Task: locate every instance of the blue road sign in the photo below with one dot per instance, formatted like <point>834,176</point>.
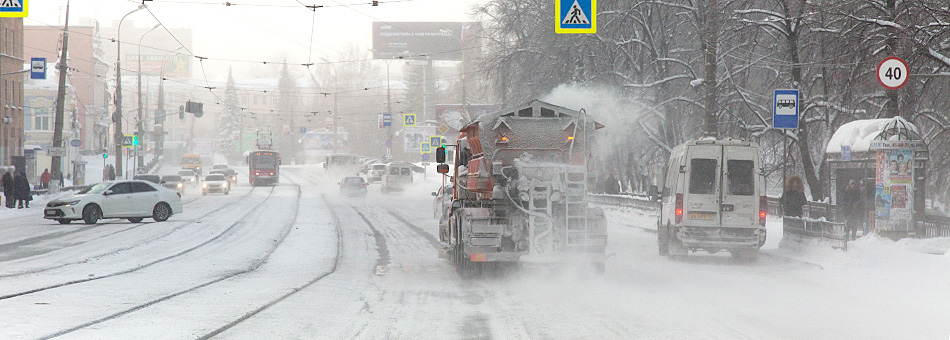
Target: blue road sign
<point>435,141</point>
<point>14,9</point>
<point>37,68</point>
<point>75,143</point>
<point>409,119</point>
<point>785,109</point>
<point>424,148</point>
<point>303,130</point>
<point>389,143</point>
<point>425,157</point>
<point>127,141</point>
<point>575,16</point>
<point>387,120</point>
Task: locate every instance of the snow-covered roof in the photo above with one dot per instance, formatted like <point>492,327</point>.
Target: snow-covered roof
<point>859,134</point>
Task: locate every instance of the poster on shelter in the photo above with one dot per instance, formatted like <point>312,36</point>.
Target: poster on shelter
<point>894,194</point>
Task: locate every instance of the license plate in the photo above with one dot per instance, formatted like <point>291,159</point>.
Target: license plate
<point>50,212</point>
<point>702,215</point>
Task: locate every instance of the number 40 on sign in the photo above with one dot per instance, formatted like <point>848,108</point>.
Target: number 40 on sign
<point>892,73</point>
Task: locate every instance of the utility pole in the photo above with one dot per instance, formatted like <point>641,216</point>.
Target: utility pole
<point>334,116</point>
<point>140,126</point>
<point>56,165</point>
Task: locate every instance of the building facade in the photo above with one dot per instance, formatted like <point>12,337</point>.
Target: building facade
<point>11,91</point>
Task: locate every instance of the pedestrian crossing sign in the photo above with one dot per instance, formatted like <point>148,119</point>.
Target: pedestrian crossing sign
<point>127,141</point>
<point>435,141</point>
<point>14,8</point>
<point>424,148</point>
<point>575,16</point>
<point>409,119</point>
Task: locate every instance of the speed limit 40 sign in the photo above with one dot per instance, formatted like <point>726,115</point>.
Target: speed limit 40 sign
<point>892,73</point>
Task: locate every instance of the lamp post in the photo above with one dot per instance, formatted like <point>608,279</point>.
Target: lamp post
<point>139,127</point>
<point>462,71</point>
<point>118,92</point>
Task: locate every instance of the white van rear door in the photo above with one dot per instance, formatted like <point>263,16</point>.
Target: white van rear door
<point>739,194</point>
<point>702,196</point>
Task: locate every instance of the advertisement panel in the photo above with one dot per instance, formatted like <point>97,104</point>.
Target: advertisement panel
<point>426,40</point>
<point>894,186</point>
<point>174,65</point>
<point>416,136</point>
<point>319,144</point>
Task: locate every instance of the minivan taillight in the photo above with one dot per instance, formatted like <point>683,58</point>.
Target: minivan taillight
<point>679,208</point>
<point>763,209</point>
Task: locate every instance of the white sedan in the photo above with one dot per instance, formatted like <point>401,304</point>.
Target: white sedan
<point>134,200</point>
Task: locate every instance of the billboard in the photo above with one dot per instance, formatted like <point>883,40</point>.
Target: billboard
<point>319,144</point>
<point>416,136</point>
<point>426,40</point>
<point>894,185</point>
<point>175,65</point>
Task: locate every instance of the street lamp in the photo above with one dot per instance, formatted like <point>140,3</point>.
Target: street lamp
<point>140,125</point>
<point>118,92</point>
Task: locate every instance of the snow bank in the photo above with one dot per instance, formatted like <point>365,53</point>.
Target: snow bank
<point>858,134</point>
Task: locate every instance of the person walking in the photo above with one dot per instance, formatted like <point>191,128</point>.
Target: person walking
<point>44,179</point>
<point>21,190</point>
<point>793,199</point>
<point>612,186</point>
<point>8,188</point>
<point>850,202</point>
<point>111,172</point>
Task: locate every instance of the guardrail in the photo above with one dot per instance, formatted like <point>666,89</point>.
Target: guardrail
<point>933,226</point>
<point>825,232</point>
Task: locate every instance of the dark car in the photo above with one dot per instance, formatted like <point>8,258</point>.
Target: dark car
<point>353,186</point>
<point>173,182</point>
<point>151,178</point>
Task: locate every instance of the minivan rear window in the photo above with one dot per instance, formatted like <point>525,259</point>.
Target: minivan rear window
<point>702,176</point>
<point>741,177</point>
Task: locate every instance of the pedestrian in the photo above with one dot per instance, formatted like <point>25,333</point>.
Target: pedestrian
<point>866,203</point>
<point>612,186</point>
<point>21,190</point>
<point>111,172</point>
<point>8,188</point>
<point>850,207</point>
<point>793,199</point>
<point>44,179</point>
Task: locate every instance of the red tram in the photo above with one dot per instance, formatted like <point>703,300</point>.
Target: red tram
<point>263,167</point>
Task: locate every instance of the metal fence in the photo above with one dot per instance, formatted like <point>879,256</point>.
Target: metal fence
<point>821,230</point>
<point>933,226</point>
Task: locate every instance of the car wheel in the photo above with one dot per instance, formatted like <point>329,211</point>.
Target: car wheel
<point>204,192</point>
<point>161,212</point>
<point>135,219</point>
<point>91,214</point>
<point>63,221</point>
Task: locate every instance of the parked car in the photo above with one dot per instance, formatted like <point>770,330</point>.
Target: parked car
<point>353,186</point>
<point>215,183</point>
<point>151,178</point>
<point>188,176</point>
<point>134,200</point>
<point>441,200</point>
<point>173,182</point>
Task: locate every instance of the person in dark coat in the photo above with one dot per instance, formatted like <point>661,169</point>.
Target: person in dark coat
<point>850,204</point>
<point>794,197</point>
<point>21,190</point>
<point>111,172</point>
<point>612,186</point>
<point>8,187</point>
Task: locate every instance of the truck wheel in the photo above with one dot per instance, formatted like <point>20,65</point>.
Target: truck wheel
<point>663,240</point>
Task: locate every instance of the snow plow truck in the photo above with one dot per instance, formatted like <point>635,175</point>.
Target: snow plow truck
<point>520,193</point>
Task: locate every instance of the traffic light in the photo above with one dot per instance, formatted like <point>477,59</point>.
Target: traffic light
<point>105,155</point>
<point>181,112</point>
<point>440,154</point>
<point>135,139</point>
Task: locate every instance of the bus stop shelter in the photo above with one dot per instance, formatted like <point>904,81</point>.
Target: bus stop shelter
<point>889,154</point>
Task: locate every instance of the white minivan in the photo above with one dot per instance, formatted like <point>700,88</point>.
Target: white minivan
<point>713,199</point>
<point>396,176</point>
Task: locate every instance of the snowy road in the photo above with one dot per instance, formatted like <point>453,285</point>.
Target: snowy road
<point>300,261</point>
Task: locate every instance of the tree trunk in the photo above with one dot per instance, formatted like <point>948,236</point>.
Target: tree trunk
<point>710,49</point>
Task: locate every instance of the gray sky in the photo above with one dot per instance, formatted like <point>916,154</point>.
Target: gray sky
<point>259,33</point>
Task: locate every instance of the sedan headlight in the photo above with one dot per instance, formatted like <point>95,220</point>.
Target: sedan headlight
<point>179,185</point>
<point>204,185</point>
<point>72,202</point>
<point>224,185</point>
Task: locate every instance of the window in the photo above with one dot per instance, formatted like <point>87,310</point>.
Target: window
<point>741,177</point>
<point>393,171</point>
<point>142,187</point>
<point>121,188</point>
<point>546,112</point>
<point>406,172</point>
<point>524,112</point>
<point>702,176</point>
